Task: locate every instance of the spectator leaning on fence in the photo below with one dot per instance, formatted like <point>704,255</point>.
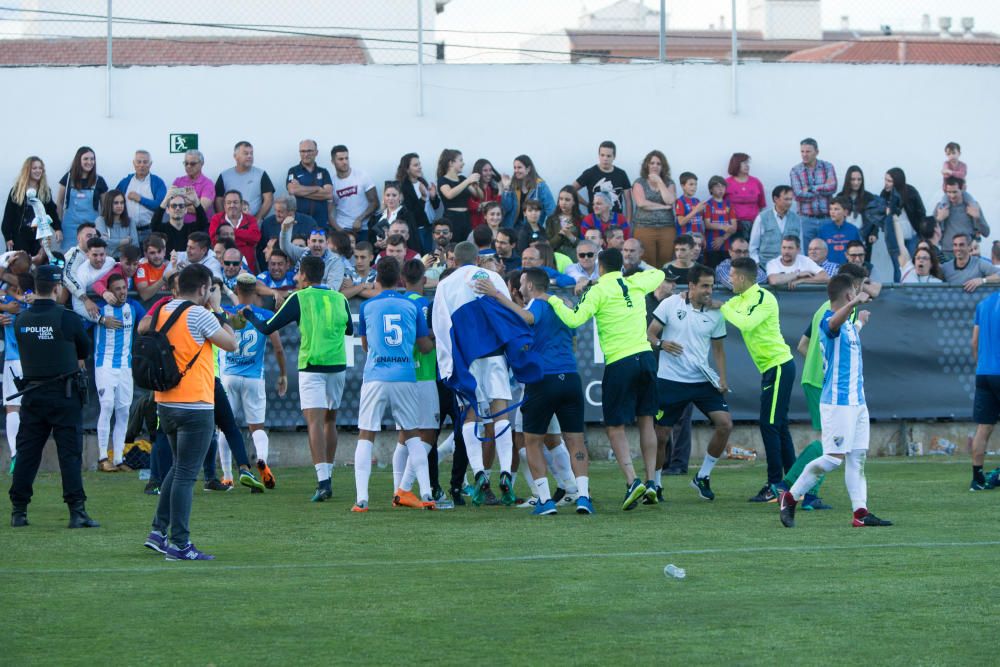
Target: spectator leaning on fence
<point>738,247</point>
<point>792,268</point>
<point>818,252</point>
<point>966,270</point>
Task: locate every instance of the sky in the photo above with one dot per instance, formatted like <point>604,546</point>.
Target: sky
<point>484,23</point>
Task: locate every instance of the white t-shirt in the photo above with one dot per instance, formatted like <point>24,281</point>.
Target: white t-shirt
<point>349,197</point>
<point>909,276</point>
<point>694,329</point>
<point>801,263</point>
<point>137,213</point>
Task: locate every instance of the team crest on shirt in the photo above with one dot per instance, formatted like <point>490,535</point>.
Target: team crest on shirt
<point>681,314</point>
<point>838,440</point>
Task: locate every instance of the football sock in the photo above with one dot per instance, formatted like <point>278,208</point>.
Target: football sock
<point>583,485</point>
<point>362,468</point>
<point>410,473</point>
<point>811,473</point>
<point>977,471</point>
<point>118,434</point>
<point>400,464</point>
<point>505,444</point>
<point>526,469</point>
<point>261,443</point>
<point>706,466</point>
<point>225,457</point>
<point>448,446</point>
<point>322,472</point>
<point>473,447</point>
<point>14,425</point>
<point>854,476</point>
<point>103,431</point>
<point>418,459</point>
<point>562,469</point>
<point>541,489</point>
<point>658,476</point>
<point>813,451</point>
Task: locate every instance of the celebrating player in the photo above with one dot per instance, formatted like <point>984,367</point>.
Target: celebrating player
<point>243,373</point>
<point>755,313</point>
<point>324,318</point>
<point>390,326</point>
<point>113,370</point>
<point>843,411</point>
<point>559,394</point>
<point>629,383</point>
<point>685,329</point>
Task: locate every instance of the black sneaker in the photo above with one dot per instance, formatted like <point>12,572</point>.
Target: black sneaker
<point>558,495</point>
<point>869,519</point>
<point>456,496</point>
<point>787,509</point>
<point>633,494</point>
<point>216,485</point>
<point>152,488</point>
<point>490,499</point>
<point>765,495</point>
<point>702,486</point>
<point>659,493</point>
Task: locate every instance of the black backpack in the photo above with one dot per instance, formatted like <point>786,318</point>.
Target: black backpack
<point>154,366</point>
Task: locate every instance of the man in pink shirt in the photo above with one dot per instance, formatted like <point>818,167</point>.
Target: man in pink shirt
<point>194,180</point>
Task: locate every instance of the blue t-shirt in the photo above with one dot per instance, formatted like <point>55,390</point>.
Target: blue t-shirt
<point>553,340</point>
<point>988,321</point>
<point>392,324</point>
<point>843,374</point>
<point>837,239</point>
<point>113,347</point>
<point>287,282</point>
<point>11,353</point>
<point>248,359</point>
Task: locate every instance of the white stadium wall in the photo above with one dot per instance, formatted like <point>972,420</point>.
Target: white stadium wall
<point>877,116</point>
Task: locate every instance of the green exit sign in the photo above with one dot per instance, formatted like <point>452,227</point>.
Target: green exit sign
<point>180,143</point>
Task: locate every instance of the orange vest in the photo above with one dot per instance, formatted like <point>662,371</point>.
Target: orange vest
<point>198,384</point>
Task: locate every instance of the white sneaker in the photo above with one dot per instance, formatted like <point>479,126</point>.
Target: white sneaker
<point>568,499</point>
<point>529,503</point>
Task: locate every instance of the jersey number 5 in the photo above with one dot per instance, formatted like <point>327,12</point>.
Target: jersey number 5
<point>393,332</point>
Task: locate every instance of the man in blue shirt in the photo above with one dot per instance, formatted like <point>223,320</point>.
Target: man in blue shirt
<point>559,393</point>
<point>243,373</point>
<point>391,328</point>
<point>838,232</point>
<point>842,406</point>
<point>986,406</point>
<point>310,184</point>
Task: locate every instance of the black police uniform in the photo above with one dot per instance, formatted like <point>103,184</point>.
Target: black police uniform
<point>51,340</point>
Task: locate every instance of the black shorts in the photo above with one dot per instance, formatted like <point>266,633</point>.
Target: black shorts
<point>560,395</point>
<point>675,396</point>
<point>629,389</point>
<point>986,406</point>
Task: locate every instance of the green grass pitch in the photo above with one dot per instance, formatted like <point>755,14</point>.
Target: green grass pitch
<point>302,583</point>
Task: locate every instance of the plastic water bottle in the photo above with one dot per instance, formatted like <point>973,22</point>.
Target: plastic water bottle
<point>672,570</point>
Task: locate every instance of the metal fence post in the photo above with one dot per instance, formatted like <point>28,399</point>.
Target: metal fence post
<point>663,31</point>
<point>420,57</point>
<point>107,74</point>
<point>733,57</point>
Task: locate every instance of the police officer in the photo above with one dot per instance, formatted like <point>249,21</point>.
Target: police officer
<point>53,349</point>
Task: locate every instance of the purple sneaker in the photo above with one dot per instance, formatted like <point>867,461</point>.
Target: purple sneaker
<point>190,552</point>
<point>156,541</point>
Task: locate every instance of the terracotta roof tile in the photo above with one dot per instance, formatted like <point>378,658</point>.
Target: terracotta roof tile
<point>128,51</point>
<point>904,51</point>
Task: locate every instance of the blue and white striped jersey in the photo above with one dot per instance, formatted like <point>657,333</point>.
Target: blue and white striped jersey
<point>843,380</point>
<point>113,347</point>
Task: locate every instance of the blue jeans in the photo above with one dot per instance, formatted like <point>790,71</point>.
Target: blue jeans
<point>810,230</point>
<point>161,458</point>
<point>189,433</point>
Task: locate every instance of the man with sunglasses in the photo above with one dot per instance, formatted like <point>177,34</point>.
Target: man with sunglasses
<point>197,186</point>
<point>584,272</point>
<point>174,230</point>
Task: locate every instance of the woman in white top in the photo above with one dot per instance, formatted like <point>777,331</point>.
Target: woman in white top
<point>923,269</point>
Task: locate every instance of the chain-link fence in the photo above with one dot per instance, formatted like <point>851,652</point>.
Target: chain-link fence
<point>74,32</point>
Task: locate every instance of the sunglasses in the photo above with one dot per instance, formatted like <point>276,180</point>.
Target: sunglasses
<point>321,232</point>
<point>237,263</point>
<point>585,254</point>
<point>191,164</point>
<point>178,206</point>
